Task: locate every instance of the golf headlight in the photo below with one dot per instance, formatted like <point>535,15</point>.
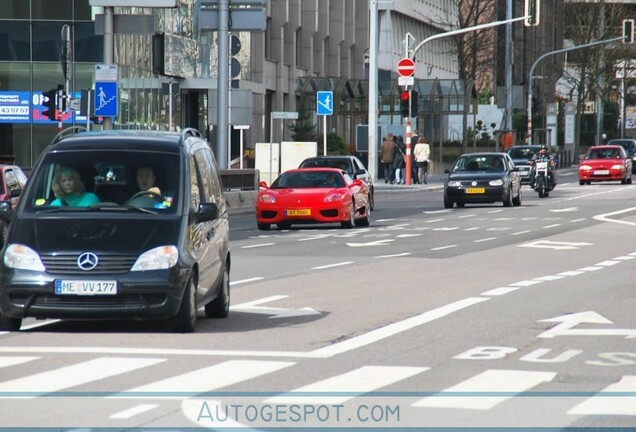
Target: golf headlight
<point>498,182</point>
<point>453,183</point>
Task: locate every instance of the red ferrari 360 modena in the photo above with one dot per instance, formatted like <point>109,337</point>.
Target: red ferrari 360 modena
<point>313,195</point>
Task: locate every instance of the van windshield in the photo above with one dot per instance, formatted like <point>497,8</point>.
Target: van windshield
<point>95,179</point>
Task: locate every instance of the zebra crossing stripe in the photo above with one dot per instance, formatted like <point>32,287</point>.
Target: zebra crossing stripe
<point>610,404</point>
<point>74,375</point>
<point>354,383</point>
<point>12,361</point>
<point>206,379</point>
<point>488,382</point>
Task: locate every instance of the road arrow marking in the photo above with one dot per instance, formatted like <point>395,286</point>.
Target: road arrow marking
<point>253,307</point>
<point>547,244</point>
<point>568,322</point>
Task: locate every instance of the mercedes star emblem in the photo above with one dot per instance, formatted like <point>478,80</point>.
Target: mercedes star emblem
<point>87,261</point>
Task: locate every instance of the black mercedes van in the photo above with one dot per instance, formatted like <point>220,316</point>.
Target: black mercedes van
<point>110,246</point>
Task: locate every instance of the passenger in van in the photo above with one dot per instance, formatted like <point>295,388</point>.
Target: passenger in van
<point>69,190</point>
<point>146,180</point>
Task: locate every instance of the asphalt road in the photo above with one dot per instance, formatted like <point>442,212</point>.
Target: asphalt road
<point>477,317</point>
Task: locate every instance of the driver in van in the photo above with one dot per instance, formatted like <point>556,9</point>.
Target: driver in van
<point>146,180</point>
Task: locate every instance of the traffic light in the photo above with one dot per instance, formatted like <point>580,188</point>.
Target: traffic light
<point>532,10</point>
<point>405,103</point>
<point>415,104</point>
<point>48,100</point>
<point>628,31</point>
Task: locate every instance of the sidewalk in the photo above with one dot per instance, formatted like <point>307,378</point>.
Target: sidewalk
<point>434,182</point>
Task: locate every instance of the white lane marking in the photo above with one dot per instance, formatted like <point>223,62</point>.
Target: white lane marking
<point>272,312</point>
<point>551,226</point>
<point>569,209</point>
<point>434,220</point>
<point>526,283</point>
<point>408,235</point>
<point>499,291</point>
<point>578,220</point>
<point>257,245</point>
<point>340,264</point>
<point>12,361</point>
<point>383,242</point>
<point>495,211</point>
<point>485,239</point>
<point>39,324</point>
<point>207,379</point>
<point>625,258</point>
<point>254,279</point>
<point>129,413</point>
<point>356,382</point>
<point>446,229</point>
<point>570,273</point>
<point>606,217</point>
<point>548,278</point>
<point>590,269</point>
<point>607,263</point>
<point>521,232</point>
<point>466,216</point>
<point>75,375</point>
<point>509,381</point>
<point>611,405</point>
<point>394,255</point>
<point>316,237</point>
<point>472,229</point>
<point>443,247</point>
<point>556,245</point>
<point>396,328</point>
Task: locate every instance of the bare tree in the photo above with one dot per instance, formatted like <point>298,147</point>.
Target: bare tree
<point>474,50</point>
<point>592,71</point>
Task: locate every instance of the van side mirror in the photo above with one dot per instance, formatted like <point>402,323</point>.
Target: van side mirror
<point>6,213</point>
<point>206,212</point>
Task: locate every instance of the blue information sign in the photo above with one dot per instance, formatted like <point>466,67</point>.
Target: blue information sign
<point>324,103</point>
<point>106,103</point>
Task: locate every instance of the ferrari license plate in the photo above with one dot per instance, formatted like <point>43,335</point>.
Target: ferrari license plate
<point>298,212</point>
<point>601,172</point>
<point>473,190</point>
<point>85,287</point>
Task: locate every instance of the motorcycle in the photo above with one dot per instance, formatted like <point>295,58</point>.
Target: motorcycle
<point>543,182</point>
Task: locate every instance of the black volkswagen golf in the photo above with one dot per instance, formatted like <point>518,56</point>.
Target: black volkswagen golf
<point>118,224</point>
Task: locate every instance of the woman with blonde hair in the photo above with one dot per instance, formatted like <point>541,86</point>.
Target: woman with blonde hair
<point>69,190</point>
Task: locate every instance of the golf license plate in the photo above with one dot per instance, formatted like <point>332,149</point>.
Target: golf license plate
<point>474,190</point>
<point>85,287</point>
<point>298,212</point>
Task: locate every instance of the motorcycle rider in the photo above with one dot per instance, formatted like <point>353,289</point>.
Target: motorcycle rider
<point>542,154</point>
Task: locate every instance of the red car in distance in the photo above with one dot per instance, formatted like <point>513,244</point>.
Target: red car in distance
<point>313,195</point>
<point>605,163</point>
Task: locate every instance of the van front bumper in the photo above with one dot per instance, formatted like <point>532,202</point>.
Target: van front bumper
<point>148,294</point>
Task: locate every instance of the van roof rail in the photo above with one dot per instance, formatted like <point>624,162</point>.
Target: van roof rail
<point>66,132</point>
<point>190,132</point>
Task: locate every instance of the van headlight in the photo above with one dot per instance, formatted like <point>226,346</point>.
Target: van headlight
<point>22,257</point>
<point>159,258</point>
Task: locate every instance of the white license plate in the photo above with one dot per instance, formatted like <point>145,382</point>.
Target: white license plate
<point>601,172</point>
<point>85,287</point>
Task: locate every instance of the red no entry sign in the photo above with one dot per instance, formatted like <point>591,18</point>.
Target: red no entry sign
<point>406,67</point>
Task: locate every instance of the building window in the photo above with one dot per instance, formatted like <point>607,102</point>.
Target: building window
<point>14,9</point>
<point>15,42</point>
<point>52,10</point>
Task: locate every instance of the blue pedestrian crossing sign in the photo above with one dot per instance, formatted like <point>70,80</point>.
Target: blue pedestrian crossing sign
<point>324,103</point>
<point>106,103</point>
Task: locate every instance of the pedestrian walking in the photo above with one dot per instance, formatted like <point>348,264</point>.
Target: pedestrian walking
<point>399,161</point>
<point>422,155</point>
<point>387,154</point>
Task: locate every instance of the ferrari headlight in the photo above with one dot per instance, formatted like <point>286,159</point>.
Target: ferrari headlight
<point>454,183</point>
<point>335,197</point>
<point>266,198</point>
<point>159,258</point>
<point>22,257</point>
<point>498,182</point>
